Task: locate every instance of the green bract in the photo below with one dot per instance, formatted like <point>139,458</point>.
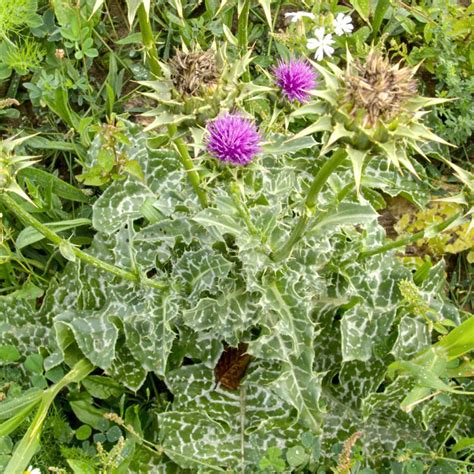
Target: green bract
<point>351,123</point>
<point>165,311</point>
<point>185,109</point>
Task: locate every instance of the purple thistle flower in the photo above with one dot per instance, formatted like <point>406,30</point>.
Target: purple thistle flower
<point>233,139</point>
<point>295,78</point>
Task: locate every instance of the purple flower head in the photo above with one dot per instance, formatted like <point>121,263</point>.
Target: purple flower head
<point>233,139</point>
<point>295,78</point>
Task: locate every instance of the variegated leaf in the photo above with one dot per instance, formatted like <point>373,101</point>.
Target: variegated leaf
<point>210,428</point>
<point>122,201</point>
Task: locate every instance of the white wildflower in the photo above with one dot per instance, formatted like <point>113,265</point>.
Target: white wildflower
<point>322,44</point>
<point>30,470</point>
<point>342,24</point>
<point>296,16</point>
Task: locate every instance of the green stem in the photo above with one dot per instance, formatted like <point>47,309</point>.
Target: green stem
<point>111,51</point>
<point>242,32</point>
<point>294,237</point>
<point>148,41</point>
<point>186,160</point>
<point>28,445</point>
<point>243,26</point>
<point>14,84</point>
<point>412,238</point>
<point>188,164</point>
<point>319,181</point>
<point>323,174</point>
<point>242,208</point>
<point>276,16</point>
<point>27,218</point>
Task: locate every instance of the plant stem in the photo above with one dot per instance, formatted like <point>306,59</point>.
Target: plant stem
<point>242,33</point>
<point>412,238</point>
<point>43,229</point>
<point>150,49</point>
<point>242,428</point>
<point>319,181</point>
<point>275,19</point>
<point>26,449</point>
<point>148,41</point>
<point>241,207</point>
<point>243,26</point>
<point>188,164</point>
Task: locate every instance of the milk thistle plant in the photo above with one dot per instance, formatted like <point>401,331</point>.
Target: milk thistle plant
<point>230,301</point>
<point>197,86</point>
<point>372,111</point>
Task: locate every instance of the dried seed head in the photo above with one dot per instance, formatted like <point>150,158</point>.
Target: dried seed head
<point>191,72</point>
<point>379,87</point>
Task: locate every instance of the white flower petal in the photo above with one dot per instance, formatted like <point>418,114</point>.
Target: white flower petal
<point>322,43</point>
<point>32,470</point>
<point>308,15</point>
<point>342,24</point>
<point>329,50</point>
<point>319,54</point>
<point>319,33</point>
<point>293,17</point>
<point>296,16</point>
<point>313,43</point>
<point>328,39</point>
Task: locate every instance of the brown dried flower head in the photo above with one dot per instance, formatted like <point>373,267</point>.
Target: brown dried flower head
<point>379,87</point>
<point>191,72</point>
